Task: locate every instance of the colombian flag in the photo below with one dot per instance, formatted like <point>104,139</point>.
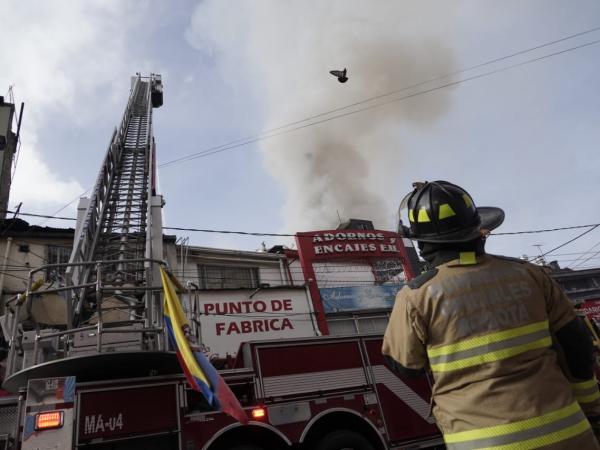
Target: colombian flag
<point>200,373</point>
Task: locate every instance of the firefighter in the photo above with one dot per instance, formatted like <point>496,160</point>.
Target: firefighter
<point>490,329</point>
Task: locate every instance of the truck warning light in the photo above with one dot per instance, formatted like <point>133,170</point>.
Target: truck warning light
<point>259,413</point>
<point>49,420</point>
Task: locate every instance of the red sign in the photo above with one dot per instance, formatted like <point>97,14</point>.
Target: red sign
<point>318,245</point>
<point>123,412</point>
<point>347,244</point>
<point>591,308</point>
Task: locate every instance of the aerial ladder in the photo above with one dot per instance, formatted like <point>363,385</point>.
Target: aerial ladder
<point>100,317</point>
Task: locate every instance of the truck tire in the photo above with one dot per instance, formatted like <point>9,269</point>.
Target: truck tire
<point>344,440</point>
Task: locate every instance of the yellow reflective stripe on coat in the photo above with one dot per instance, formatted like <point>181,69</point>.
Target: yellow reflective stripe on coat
<point>586,391</point>
<point>535,432</point>
<point>490,347</point>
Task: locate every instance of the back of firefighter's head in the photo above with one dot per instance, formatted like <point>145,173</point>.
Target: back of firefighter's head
<point>442,212</point>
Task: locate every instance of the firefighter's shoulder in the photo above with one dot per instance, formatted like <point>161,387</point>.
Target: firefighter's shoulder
<point>420,280</point>
<point>510,258</point>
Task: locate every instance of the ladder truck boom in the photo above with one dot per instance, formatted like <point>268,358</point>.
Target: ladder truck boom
<point>119,224</point>
<point>109,320</point>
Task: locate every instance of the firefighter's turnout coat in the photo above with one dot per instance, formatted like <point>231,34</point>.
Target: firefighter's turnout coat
<point>484,325</point>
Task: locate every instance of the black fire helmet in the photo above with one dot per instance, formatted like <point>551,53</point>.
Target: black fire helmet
<point>443,212</point>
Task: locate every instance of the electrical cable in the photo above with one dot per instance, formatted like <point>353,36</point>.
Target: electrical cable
<point>14,276</point>
<point>593,256</point>
<point>278,131</point>
<point>30,251</point>
<point>585,254</point>
<point>248,233</point>
<point>52,216</point>
<point>565,243</point>
<point>397,91</point>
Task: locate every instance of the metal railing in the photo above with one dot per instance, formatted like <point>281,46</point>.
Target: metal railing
<point>136,323</point>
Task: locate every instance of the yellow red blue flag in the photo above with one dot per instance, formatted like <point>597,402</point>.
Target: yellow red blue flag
<point>200,373</point>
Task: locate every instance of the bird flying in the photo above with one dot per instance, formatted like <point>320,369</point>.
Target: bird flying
<point>340,74</point>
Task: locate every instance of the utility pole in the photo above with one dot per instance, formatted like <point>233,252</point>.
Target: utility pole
<point>8,146</point>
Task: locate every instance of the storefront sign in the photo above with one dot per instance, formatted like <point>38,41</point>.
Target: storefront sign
<point>356,298</point>
<point>228,318</point>
<point>375,247</point>
<point>327,244</point>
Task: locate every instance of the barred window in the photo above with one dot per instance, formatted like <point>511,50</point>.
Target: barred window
<point>357,324</point>
<point>57,255</point>
<point>227,277</point>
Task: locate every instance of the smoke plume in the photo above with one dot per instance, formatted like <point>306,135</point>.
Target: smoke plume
<point>349,166</point>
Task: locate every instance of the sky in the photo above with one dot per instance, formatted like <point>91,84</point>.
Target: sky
<point>524,139</point>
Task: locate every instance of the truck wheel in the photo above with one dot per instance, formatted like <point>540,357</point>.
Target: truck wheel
<point>344,440</point>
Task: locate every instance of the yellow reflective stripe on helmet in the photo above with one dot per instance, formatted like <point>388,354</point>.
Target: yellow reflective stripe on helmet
<point>585,384</point>
<point>588,398</point>
<point>423,216</point>
<point>529,433</point>
<point>411,215</point>
<point>497,355</point>
<point>467,200</point>
<point>487,339</point>
<point>445,211</point>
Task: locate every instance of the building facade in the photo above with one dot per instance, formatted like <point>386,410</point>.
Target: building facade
<point>25,247</point>
<point>337,282</point>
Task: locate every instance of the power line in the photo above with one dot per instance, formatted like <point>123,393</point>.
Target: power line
<point>438,78</point>
<point>42,215</point>
<point>14,276</point>
<point>278,131</point>
<point>566,243</point>
<point>249,233</point>
<point>545,230</point>
<point>52,216</point>
<point>588,258</point>
<point>571,261</point>
<point>587,252</point>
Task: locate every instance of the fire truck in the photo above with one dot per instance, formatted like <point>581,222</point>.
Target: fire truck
<point>89,364</point>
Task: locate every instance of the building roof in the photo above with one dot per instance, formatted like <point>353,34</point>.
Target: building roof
<point>209,251</point>
<point>21,228</point>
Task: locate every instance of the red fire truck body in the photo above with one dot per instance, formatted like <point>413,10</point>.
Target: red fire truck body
<point>301,393</point>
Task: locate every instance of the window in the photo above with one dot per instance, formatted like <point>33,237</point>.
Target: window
<point>227,277</point>
<point>57,255</point>
<point>357,324</point>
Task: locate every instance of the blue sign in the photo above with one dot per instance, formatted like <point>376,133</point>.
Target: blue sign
<point>355,298</point>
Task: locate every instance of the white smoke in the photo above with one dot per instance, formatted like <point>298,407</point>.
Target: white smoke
<point>289,48</point>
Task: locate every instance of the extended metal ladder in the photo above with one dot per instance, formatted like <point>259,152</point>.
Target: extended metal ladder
<point>111,288</point>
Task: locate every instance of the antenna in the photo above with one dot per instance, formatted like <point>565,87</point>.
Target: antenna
<point>541,256</point>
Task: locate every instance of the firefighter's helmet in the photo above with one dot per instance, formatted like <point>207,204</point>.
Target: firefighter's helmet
<point>443,212</point>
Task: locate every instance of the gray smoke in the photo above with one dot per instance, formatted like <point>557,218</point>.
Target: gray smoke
<point>351,165</point>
